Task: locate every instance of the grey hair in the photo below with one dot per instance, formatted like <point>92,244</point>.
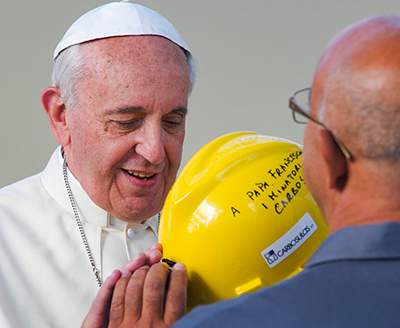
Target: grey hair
<point>68,70</point>
<point>70,66</point>
<point>367,121</point>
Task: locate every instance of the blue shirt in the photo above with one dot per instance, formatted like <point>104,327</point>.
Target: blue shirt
<point>352,280</point>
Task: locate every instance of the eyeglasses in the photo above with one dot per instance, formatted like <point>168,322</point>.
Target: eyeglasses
<point>301,115</point>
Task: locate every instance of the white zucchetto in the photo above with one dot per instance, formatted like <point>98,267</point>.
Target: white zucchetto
<point>118,19</point>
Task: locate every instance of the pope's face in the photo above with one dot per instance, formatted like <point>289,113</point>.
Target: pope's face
<point>126,136</point>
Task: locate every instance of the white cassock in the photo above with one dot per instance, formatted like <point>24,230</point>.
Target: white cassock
<point>46,279</point>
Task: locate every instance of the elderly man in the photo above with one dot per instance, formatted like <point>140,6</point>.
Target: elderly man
<point>351,165</point>
<point>117,107</point>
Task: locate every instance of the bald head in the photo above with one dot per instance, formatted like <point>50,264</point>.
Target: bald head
<point>356,88</point>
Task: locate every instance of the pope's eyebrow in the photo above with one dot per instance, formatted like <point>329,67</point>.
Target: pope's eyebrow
<point>129,109</point>
<point>124,110</point>
<point>182,110</point>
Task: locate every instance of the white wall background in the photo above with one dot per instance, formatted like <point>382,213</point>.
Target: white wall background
<point>254,54</point>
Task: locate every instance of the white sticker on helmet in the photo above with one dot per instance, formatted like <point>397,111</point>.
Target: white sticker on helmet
<point>290,241</point>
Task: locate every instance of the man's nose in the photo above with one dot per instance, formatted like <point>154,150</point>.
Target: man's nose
<point>151,145</point>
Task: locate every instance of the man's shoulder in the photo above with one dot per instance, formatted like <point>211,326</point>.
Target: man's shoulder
<point>27,188</point>
<point>19,203</point>
<point>24,197</point>
<point>319,296</point>
<point>21,189</point>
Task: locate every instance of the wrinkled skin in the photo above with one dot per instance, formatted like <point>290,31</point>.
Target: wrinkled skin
<point>124,141</point>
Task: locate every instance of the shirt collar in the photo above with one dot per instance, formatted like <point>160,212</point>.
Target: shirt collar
<point>365,242</point>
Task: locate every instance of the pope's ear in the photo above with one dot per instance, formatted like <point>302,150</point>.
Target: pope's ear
<point>56,113</point>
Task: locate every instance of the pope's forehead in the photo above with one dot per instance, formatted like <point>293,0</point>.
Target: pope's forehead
<point>119,62</point>
<point>143,47</point>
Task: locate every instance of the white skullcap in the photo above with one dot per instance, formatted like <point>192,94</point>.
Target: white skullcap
<point>118,19</point>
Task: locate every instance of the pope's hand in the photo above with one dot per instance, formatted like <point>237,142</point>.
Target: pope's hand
<point>143,299</point>
<point>98,316</point>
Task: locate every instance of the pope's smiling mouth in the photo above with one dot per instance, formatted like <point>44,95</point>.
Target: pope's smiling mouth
<point>140,175</point>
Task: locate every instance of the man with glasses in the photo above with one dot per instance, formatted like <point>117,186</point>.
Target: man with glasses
<point>351,164</point>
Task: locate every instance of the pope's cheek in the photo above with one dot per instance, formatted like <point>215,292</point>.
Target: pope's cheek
<point>123,183</point>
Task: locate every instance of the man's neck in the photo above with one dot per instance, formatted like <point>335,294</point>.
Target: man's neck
<point>355,211</point>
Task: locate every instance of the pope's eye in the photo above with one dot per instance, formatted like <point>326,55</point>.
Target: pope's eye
<point>128,125</point>
<point>173,123</point>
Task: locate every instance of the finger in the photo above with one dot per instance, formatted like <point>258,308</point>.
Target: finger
<point>98,313</point>
<point>154,258</point>
<point>176,298</point>
<point>135,263</point>
<point>118,299</point>
<point>155,247</point>
<point>154,291</point>
<point>134,294</point>
<point>154,254</point>
<point>151,256</point>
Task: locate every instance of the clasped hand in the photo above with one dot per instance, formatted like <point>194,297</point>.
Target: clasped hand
<point>138,295</point>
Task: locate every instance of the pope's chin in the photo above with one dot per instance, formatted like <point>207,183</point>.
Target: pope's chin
<point>135,205</point>
<point>136,209</point>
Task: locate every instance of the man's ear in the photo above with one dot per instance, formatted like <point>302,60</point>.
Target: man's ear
<point>56,113</point>
<point>337,165</point>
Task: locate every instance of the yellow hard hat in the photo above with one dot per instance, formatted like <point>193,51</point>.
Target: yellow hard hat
<point>240,217</point>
